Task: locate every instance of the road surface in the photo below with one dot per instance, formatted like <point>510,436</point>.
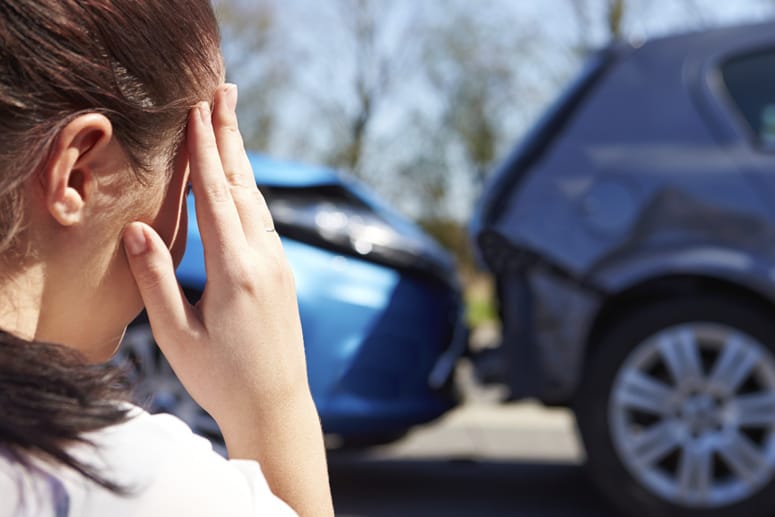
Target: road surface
<point>482,459</point>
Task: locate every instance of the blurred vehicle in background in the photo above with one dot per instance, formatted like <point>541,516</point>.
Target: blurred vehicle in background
<point>632,239</point>
<point>379,302</point>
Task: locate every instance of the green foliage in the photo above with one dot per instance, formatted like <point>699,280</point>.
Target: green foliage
<point>478,292</point>
<point>453,236</point>
<point>480,309</point>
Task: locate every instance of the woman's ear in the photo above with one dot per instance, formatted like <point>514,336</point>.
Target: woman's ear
<point>68,176</point>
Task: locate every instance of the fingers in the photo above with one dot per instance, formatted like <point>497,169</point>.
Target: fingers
<point>250,204</point>
<point>217,216</point>
<point>172,317</point>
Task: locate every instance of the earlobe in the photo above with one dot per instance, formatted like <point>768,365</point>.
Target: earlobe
<point>68,177</point>
<point>67,206</point>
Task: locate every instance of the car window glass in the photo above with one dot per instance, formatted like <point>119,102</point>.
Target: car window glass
<point>750,80</point>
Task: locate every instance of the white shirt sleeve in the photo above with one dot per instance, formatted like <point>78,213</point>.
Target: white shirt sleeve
<point>168,470</point>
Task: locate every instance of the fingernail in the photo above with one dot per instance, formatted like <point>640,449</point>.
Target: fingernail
<point>231,96</point>
<point>204,112</point>
<point>134,240</point>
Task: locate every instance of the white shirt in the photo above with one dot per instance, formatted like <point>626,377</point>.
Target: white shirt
<point>170,471</point>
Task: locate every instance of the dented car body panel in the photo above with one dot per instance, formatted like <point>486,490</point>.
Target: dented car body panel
<point>647,168</point>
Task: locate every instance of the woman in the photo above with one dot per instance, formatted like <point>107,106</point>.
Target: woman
<point>105,120</point>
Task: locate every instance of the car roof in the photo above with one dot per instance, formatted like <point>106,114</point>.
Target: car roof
<point>640,82</point>
<point>669,89</point>
<point>285,173</point>
<point>710,40</point>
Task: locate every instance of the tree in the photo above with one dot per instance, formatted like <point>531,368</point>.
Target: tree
<point>254,59</point>
<point>418,99</point>
<point>375,65</point>
<point>475,75</point>
<point>371,79</point>
<point>612,16</point>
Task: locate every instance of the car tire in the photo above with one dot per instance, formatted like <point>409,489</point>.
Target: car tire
<point>706,446</point>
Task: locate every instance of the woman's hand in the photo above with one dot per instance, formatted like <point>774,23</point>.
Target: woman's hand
<point>239,351</point>
<point>240,348</point>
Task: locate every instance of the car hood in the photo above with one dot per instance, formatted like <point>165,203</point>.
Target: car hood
<point>279,173</point>
<point>270,172</point>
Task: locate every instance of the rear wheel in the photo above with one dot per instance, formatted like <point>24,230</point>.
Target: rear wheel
<point>677,410</point>
<point>157,388</point>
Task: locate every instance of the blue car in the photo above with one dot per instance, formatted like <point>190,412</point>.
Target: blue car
<point>379,302</point>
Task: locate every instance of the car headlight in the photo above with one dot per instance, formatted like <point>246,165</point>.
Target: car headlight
<point>334,218</point>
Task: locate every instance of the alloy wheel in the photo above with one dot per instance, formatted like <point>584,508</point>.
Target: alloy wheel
<point>692,414</point>
<point>157,388</point>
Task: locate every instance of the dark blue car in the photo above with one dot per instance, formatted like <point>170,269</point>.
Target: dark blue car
<point>379,301</point>
<point>632,238</point>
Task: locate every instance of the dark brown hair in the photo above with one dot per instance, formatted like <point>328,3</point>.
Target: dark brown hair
<point>142,64</point>
<point>50,396</point>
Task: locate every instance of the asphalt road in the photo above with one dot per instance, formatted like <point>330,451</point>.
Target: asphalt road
<point>483,459</point>
<point>462,488</point>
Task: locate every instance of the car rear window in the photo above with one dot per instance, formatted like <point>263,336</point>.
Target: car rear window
<point>750,80</point>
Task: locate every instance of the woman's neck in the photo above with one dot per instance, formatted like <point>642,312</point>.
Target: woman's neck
<point>21,295</point>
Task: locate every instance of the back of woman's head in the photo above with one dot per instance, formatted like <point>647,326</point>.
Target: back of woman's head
<point>142,64</point>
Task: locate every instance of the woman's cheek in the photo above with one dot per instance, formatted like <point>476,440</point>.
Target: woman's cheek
<point>178,247</point>
<point>172,220</point>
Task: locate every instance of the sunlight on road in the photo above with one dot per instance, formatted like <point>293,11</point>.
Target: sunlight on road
<point>483,428</point>
<point>524,431</point>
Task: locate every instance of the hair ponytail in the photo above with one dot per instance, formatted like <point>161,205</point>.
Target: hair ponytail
<point>50,396</point>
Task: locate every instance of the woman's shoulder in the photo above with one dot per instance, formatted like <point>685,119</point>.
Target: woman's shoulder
<point>161,435</point>
<point>29,491</point>
<point>167,470</point>
<point>171,468</point>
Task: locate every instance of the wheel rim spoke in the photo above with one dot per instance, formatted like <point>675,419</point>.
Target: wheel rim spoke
<point>734,365</point>
<point>681,355</point>
<point>755,410</point>
<point>695,472</point>
<point>139,342</point>
<point>655,442</point>
<point>742,457</point>
<point>644,393</point>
